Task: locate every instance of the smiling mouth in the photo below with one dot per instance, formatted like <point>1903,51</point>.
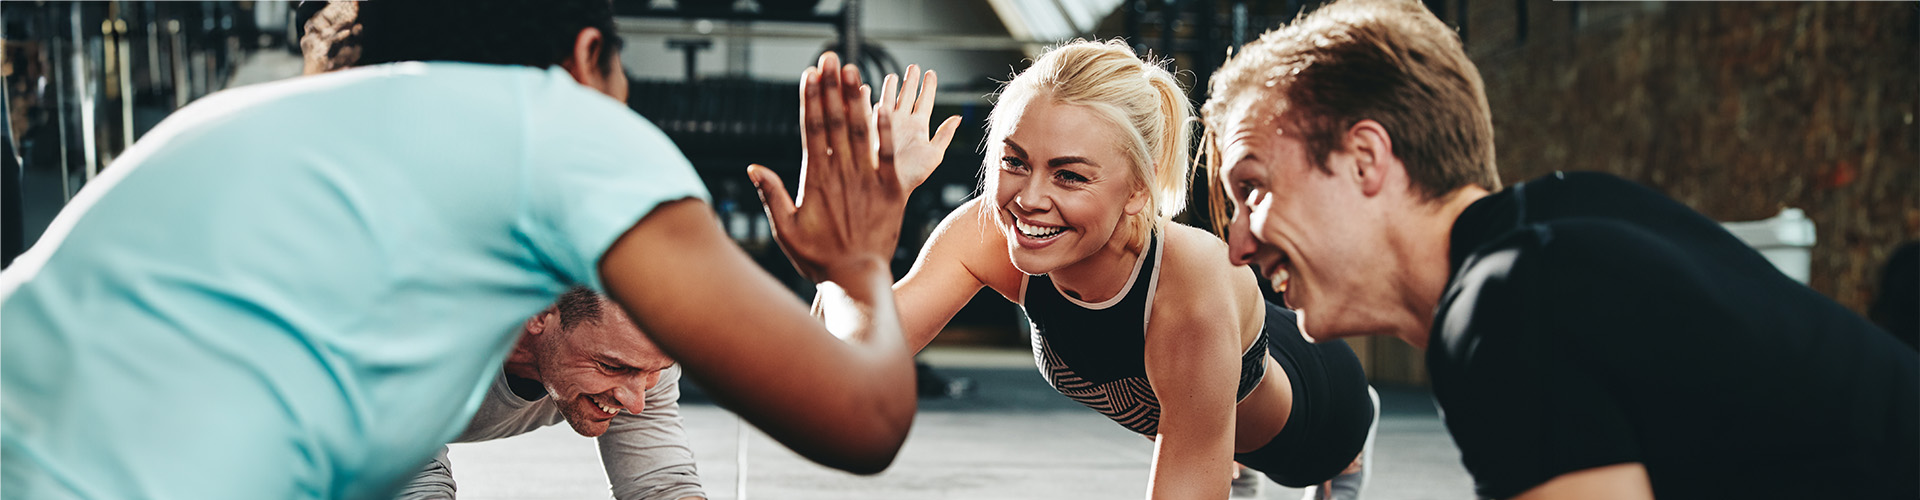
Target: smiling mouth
<point>1280,277</point>
<point>1037,232</point>
<point>603,406</point>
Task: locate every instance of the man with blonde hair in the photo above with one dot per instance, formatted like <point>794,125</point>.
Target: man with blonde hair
<point>1587,337</point>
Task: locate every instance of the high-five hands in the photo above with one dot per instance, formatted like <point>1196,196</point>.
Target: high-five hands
<point>847,218</point>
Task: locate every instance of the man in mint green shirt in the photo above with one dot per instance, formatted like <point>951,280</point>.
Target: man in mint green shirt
<point>283,290</point>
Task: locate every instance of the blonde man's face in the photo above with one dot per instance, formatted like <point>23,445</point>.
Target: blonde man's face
<point>1304,228</point>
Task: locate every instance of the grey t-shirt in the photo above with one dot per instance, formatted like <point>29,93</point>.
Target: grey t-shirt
<point>646,455</point>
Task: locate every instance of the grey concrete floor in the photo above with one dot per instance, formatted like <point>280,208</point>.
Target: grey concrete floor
<point>1011,438</point>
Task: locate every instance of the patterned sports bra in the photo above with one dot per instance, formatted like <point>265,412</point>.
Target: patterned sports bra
<point>1095,353</point>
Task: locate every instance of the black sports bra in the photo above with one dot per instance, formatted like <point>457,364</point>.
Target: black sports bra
<point>1095,353</point>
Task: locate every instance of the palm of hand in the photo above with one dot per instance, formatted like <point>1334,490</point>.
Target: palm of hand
<point>916,154</point>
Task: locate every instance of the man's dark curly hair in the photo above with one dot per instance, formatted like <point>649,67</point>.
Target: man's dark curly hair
<point>579,305</point>
<point>538,33</point>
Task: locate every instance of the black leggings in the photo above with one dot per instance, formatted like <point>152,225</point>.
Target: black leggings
<point>1331,409</point>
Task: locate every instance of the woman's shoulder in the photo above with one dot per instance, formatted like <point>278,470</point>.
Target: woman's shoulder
<point>1198,285</point>
<point>1192,249</point>
<point>1195,261</point>
<point>970,236</point>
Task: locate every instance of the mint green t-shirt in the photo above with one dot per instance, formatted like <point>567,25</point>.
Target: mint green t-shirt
<point>300,289</point>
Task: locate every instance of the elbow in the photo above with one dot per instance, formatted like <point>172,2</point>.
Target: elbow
<point>865,451</point>
<point>869,444</point>
<point>870,462</point>
<point>891,434</point>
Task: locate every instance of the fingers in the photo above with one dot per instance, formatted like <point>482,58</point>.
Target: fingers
<point>833,91</point>
<point>859,143</point>
<point>889,175</point>
<point>813,130</point>
<point>911,83</point>
<point>773,195</point>
<point>889,98</point>
<point>944,137</point>
<point>923,95</point>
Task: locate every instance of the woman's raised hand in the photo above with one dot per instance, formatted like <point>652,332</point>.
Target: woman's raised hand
<point>847,218</point>
<point>910,106</point>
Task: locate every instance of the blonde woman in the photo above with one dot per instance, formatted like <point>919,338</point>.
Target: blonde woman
<point>1133,315</point>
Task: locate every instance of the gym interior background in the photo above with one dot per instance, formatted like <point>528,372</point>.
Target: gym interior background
<point>1740,110</point>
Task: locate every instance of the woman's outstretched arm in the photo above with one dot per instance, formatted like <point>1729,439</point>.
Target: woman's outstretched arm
<point>1194,342</point>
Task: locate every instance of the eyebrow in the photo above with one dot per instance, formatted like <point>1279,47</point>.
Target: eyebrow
<point>1242,159</point>
<point>1056,162</point>
<point>615,360</point>
<point>1016,147</point>
<point>611,360</point>
<point>1069,160</point>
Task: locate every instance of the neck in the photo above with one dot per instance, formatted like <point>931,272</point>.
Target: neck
<point>522,370</point>
<point>1101,276</point>
<point>1422,241</point>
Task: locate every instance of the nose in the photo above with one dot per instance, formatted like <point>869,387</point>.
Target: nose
<point>1033,195</point>
<point>633,394</point>
<point>1241,246</point>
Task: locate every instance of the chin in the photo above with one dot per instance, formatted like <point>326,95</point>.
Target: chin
<point>1323,332</point>
<point>1024,262</point>
<point>1032,265</point>
<point>1318,337</point>
<point>589,429</point>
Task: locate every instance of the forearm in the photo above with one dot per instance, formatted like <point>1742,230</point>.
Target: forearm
<point>651,470</point>
<point>874,361</point>
<point>673,489</point>
<point>875,329</point>
<point>646,455</point>
<point>1195,376</point>
<point>870,405</point>
<point>434,481</point>
<point>1182,470</point>
<point>772,364</point>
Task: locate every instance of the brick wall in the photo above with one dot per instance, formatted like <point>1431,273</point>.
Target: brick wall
<point>1736,109</point>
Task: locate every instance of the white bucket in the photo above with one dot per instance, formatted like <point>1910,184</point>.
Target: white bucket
<point>1785,240</point>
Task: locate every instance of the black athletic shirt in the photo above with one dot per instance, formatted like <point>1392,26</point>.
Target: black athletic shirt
<point>1590,321</point>
<point>1095,353</point>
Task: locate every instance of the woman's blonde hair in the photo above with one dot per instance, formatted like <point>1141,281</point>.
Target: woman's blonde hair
<point>1139,97</point>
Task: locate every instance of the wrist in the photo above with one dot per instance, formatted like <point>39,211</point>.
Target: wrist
<point>858,276</point>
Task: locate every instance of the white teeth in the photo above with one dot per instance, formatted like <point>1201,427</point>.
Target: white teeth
<point>1279,279</point>
<point>1033,231</point>
<point>604,407</point>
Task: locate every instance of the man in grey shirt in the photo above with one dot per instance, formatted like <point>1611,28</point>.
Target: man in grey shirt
<point>582,361</point>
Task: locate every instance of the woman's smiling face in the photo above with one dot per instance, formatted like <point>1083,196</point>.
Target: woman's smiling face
<point>1063,186</point>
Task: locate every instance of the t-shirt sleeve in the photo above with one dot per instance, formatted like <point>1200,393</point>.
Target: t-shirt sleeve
<point>1521,403</point>
<point>433,482</point>
<point>647,456</point>
<point>594,170</point>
